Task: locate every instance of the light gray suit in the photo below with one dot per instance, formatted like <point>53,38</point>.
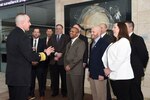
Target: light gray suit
<point>74,58</point>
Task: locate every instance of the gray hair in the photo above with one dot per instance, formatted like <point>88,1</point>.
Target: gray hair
<point>20,18</point>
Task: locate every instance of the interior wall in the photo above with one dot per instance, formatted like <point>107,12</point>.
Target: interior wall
<point>140,16</point>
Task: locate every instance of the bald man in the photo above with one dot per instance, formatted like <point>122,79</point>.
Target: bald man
<point>19,58</point>
<point>96,73</point>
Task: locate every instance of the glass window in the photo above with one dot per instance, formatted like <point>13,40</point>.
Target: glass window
<point>41,12</point>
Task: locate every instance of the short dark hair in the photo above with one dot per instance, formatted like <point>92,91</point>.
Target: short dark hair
<point>36,28</point>
<point>59,25</point>
<point>75,28</point>
<point>79,26</point>
<point>130,22</point>
<point>49,28</point>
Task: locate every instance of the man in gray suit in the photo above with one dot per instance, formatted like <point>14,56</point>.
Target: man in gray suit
<point>73,63</point>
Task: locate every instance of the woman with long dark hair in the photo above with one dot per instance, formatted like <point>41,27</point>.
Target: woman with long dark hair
<point>117,64</point>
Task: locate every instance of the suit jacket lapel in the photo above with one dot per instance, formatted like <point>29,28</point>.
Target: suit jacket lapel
<point>74,43</point>
<point>96,43</point>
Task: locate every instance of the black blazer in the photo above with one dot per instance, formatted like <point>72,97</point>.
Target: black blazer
<point>59,47</point>
<point>19,57</point>
<point>41,45</point>
<point>109,38</point>
<point>139,55</point>
<point>40,48</point>
<point>85,56</point>
<point>44,39</point>
<point>95,60</point>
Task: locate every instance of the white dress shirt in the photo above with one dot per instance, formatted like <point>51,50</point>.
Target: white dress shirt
<point>117,58</point>
<point>73,40</point>
<point>37,41</point>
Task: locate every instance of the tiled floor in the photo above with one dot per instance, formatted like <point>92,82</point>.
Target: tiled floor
<point>3,86</point>
<point>4,91</point>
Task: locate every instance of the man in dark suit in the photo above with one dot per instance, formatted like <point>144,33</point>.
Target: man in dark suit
<point>109,38</point>
<point>19,58</point>
<point>39,70</point>
<point>49,33</point>
<point>97,77</point>
<point>139,59</point>
<point>59,42</point>
<point>73,63</point>
<point>85,56</point>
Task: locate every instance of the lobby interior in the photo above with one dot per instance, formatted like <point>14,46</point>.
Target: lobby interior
<point>54,12</point>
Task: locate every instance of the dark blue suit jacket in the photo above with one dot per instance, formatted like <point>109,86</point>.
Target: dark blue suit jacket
<point>19,57</point>
<point>95,61</point>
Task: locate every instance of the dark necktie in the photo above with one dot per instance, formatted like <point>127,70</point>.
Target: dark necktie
<point>93,44</point>
<point>47,40</point>
<point>34,43</point>
<point>57,38</point>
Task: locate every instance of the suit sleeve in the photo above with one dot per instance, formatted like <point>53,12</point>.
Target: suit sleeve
<point>65,61</point>
<point>85,56</point>
<point>66,42</point>
<point>142,52</point>
<point>26,50</point>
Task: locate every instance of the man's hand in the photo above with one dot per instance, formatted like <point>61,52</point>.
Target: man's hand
<point>56,58</point>
<point>84,65</point>
<point>34,48</point>
<point>49,50</point>
<point>101,78</point>
<point>107,71</point>
<point>59,55</point>
<point>34,63</point>
<point>67,68</point>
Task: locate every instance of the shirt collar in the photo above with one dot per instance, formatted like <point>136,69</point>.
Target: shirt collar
<point>97,39</point>
<point>103,34</point>
<point>73,39</point>
<point>37,39</point>
<point>130,33</point>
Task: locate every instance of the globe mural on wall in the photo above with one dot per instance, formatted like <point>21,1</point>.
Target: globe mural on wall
<point>89,14</point>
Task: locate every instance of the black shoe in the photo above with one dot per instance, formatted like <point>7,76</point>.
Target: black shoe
<point>64,95</point>
<point>31,97</point>
<point>54,94</point>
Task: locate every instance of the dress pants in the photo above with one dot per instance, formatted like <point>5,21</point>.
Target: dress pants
<point>98,89</point>
<point>136,92</point>
<point>39,71</point>
<point>83,80</point>
<point>121,89</point>
<point>56,71</point>
<point>74,87</point>
<point>108,90</point>
<point>18,92</point>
